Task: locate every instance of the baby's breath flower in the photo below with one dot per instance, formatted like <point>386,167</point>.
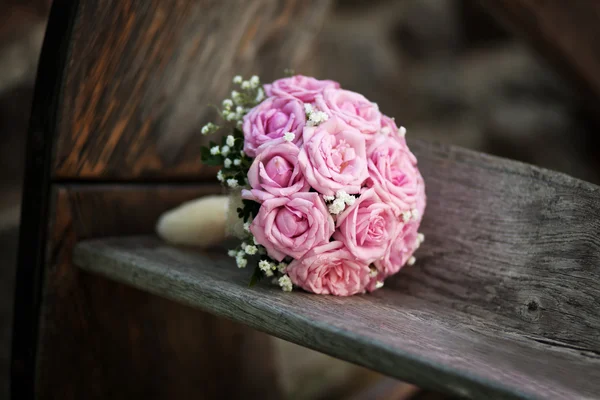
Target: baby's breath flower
<point>214,150</point>
<point>232,253</point>
<point>308,109</point>
<point>337,206</point>
<point>227,163</point>
<point>289,136</point>
<point>345,197</point>
<point>208,128</point>
<point>230,116</point>
<point>247,226</point>
<point>230,140</point>
<point>225,150</point>
<point>220,176</point>
<point>406,215</point>
<point>420,237</point>
<point>241,262</point>
<point>264,265</point>
<point>237,162</point>
<point>245,85</point>
<point>281,267</point>
<point>239,124</point>
<point>411,261</point>
<point>415,214</point>
<point>402,131</point>
<point>254,81</point>
<point>241,254</point>
<point>328,198</point>
<point>316,117</point>
<point>236,97</point>
<point>372,272</point>
<point>286,283</point>
<point>378,285</point>
<point>237,79</point>
<point>239,110</point>
<point>251,250</point>
<point>227,104</point>
<point>232,183</point>
<point>260,95</point>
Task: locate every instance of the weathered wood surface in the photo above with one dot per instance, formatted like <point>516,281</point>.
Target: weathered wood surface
<point>141,75</point>
<point>565,32</point>
<point>100,339</point>
<point>503,299</point>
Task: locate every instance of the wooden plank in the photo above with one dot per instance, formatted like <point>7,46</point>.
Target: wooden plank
<point>100,339</point>
<point>141,75</point>
<point>502,301</point>
<point>564,32</point>
<point>391,331</point>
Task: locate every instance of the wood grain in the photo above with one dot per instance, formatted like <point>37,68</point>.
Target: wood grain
<point>564,32</point>
<point>100,339</point>
<point>501,303</point>
<point>141,75</point>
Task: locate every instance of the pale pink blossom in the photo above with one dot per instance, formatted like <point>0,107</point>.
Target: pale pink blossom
<point>271,120</point>
<point>333,157</point>
<point>304,88</point>
<point>291,226</point>
<point>330,269</point>
<point>367,227</point>
<point>353,108</point>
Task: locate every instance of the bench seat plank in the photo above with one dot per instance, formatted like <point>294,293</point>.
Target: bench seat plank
<point>502,302</point>
<point>389,331</point>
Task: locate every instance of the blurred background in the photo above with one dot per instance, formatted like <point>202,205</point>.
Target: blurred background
<point>444,68</point>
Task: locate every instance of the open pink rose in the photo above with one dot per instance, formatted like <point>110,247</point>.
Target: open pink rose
<point>272,119</point>
<point>393,173</point>
<point>352,108</point>
<point>304,88</point>
<point>403,246</point>
<point>400,250</point>
<point>275,172</point>
<point>291,226</point>
<point>333,157</point>
<point>367,227</point>
<point>330,269</point>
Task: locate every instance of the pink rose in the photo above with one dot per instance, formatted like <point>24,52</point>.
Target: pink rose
<point>352,108</point>
<point>330,269</point>
<point>393,173</point>
<point>333,157</point>
<point>367,227</point>
<point>291,226</point>
<point>403,246</point>
<point>272,119</point>
<point>400,250</point>
<point>275,172</point>
<point>303,88</point>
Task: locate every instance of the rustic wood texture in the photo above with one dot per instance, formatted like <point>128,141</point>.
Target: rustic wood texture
<point>100,339</point>
<point>564,32</point>
<point>501,303</point>
<point>141,75</point>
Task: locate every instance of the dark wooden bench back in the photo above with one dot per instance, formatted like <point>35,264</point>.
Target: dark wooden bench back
<point>122,91</point>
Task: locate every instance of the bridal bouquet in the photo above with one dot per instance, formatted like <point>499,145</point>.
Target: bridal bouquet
<point>330,195</point>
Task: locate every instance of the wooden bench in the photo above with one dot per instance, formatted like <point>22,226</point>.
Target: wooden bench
<point>503,302</point>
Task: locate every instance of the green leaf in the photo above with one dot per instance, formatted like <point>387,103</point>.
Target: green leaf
<point>256,276</point>
<point>250,209</point>
<point>213,160</point>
